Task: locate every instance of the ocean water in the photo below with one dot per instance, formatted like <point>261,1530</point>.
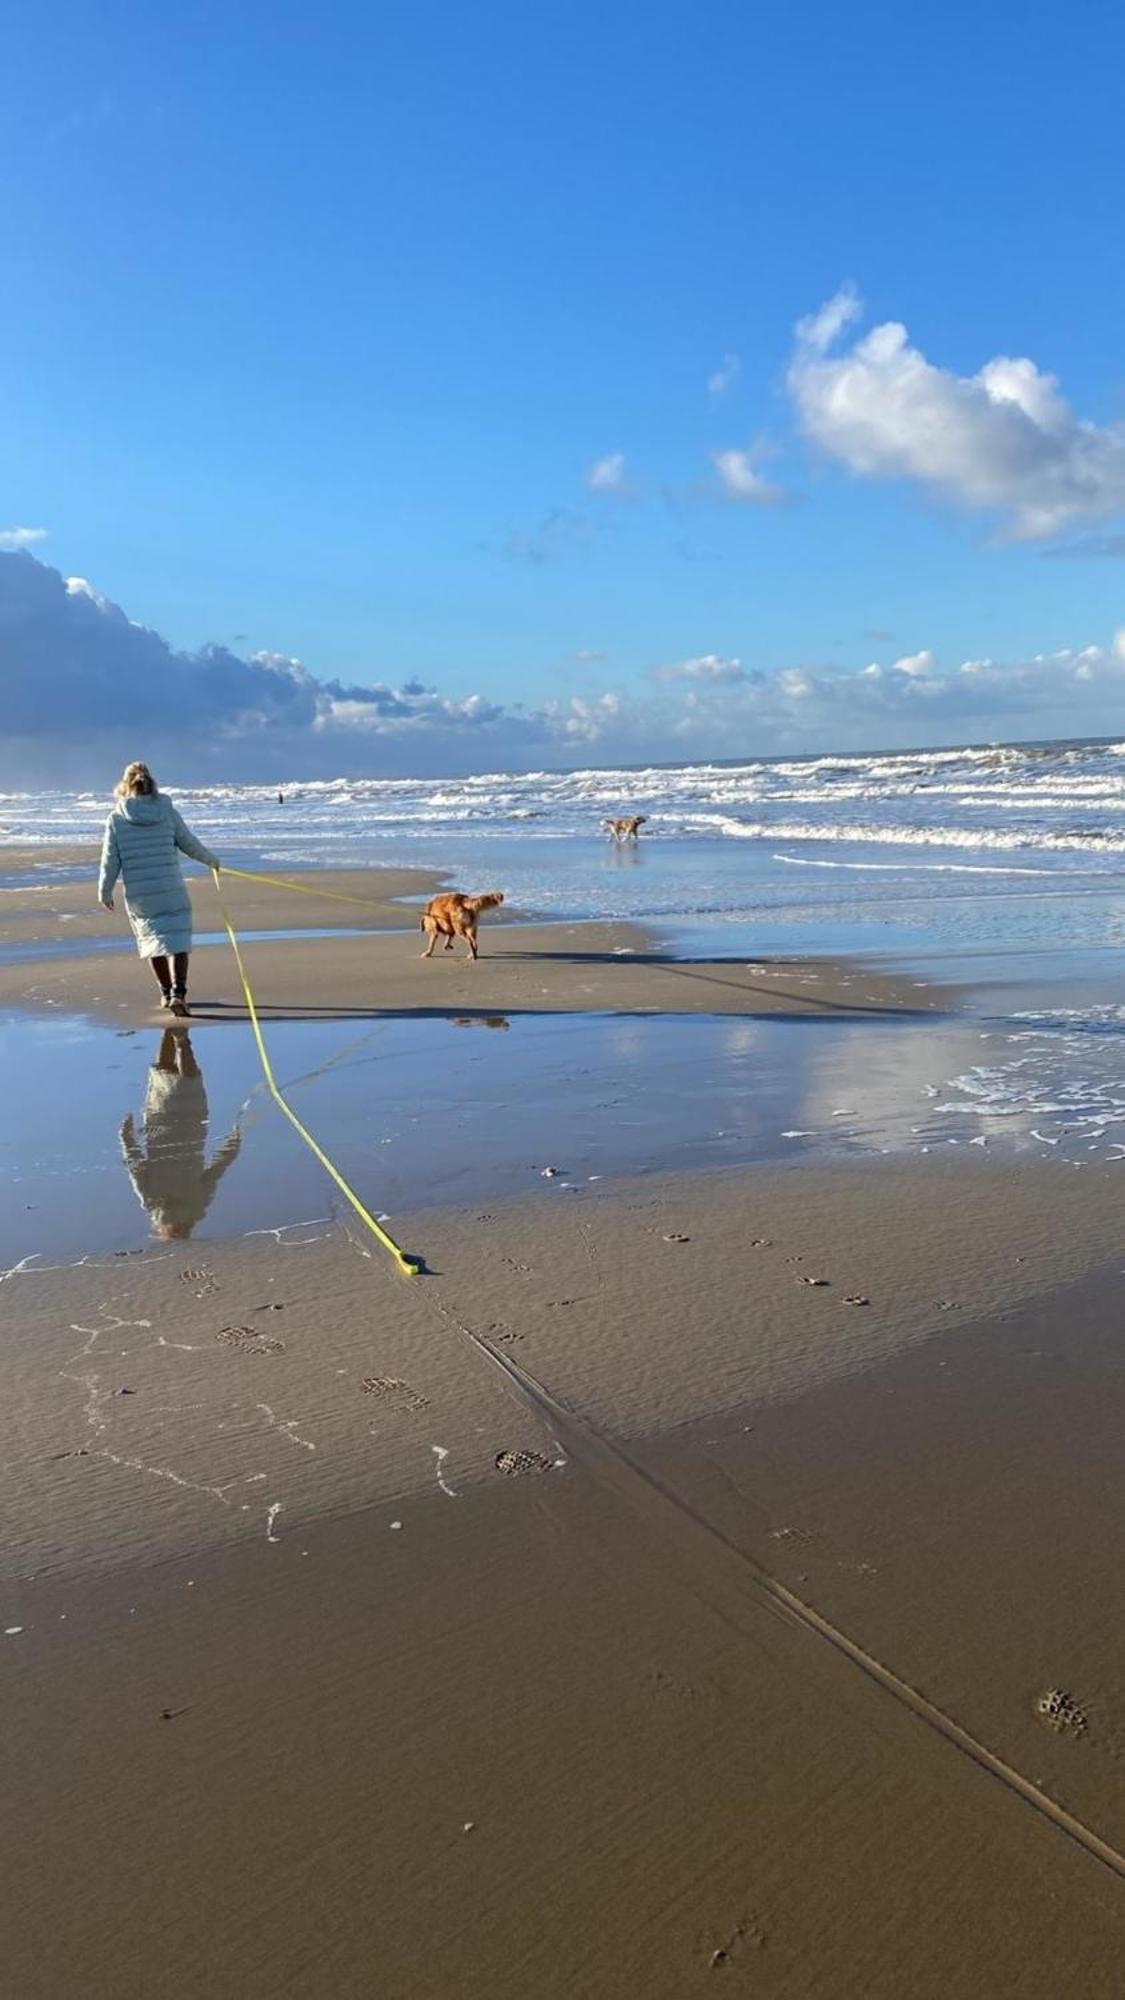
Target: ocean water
<point>998,849</point>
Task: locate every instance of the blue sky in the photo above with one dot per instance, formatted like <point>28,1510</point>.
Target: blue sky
<point>316,322</point>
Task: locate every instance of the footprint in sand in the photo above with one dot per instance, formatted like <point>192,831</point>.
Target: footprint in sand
<point>660,1682</point>
<point>513,1266</point>
<point>202,1281</point>
<point>747,1933</point>
<point>247,1340</point>
<point>515,1463</point>
<point>392,1389</point>
<point>502,1333</point>
<point>1061,1713</point>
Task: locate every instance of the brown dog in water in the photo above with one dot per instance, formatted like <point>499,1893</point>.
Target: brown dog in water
<point>625,829</point>
<point>453,916</point>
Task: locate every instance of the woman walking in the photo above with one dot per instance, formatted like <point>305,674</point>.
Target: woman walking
<point>142,834</point>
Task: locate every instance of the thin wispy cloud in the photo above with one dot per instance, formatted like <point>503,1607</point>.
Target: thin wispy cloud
<point>607,475</point>
<point>560,529</point>
<point>1003,442</point>
<point>585,660</point>
<point>724,376</point>
<point>740,480</point>
<point>21,538</point>
<point>1089,548</point>
<point>712,669</point>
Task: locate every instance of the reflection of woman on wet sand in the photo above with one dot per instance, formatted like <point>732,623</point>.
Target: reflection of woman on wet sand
<point>171,1176</point>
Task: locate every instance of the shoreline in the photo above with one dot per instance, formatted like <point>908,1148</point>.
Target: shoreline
<point>361,963</point>
<point>594,968</point>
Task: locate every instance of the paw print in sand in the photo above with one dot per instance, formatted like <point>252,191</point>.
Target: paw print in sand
<point>515,1463</point>
<point>1061,1713</point>
<point>202,1281</point>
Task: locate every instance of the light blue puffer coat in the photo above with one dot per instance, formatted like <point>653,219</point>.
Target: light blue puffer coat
<point>141,838</point>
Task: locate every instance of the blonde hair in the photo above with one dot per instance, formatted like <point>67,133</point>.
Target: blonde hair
<point>135,782</point>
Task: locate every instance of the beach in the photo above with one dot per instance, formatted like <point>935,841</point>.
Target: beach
<point>708,1570</point>
<point>562,1388</point>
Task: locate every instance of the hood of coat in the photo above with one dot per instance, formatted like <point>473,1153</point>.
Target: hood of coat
<point>145,810</point>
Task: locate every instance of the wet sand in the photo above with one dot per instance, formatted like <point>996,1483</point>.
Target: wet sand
<point>523,968</point>
<point>817,1690</point>
<point>530,968</point>
<point>144,1389</point>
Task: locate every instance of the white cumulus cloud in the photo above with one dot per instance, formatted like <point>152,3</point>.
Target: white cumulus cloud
<point>915,665</point>
<point>1003,442</point>
<point>584,719</point>
<point>21,538</point>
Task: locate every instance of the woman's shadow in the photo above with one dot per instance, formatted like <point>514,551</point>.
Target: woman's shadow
<point>169,1172</point>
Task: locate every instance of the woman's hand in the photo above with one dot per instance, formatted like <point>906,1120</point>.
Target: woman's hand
<point>107,902</point>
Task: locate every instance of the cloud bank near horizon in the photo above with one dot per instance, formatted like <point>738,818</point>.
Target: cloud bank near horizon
<point>85,688</point>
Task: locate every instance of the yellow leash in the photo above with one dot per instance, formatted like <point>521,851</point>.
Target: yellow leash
<point>301,888</point>
<point>411,1267</point>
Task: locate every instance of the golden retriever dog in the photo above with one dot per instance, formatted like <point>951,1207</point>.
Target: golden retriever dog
<point>625,829</point>
<point>455,916</point>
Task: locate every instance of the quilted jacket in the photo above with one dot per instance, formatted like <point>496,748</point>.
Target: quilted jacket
<point>144,838</point>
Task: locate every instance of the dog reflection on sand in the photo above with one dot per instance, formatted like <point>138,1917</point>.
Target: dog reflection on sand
<point>170,1174</point>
